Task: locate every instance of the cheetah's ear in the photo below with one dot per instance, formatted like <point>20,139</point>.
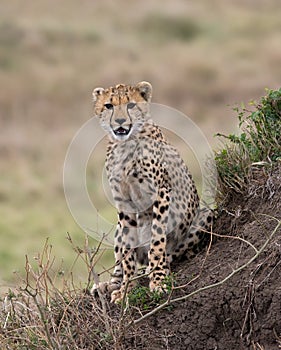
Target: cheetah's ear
<point>97,92</point>
<point>145,90</point>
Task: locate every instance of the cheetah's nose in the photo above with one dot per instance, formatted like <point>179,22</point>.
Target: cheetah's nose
<point>120,121</point>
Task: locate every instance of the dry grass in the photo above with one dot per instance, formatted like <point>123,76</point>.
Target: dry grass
<point>39,315</point>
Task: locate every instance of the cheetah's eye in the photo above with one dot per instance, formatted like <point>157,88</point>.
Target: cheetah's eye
<point>131,105</point>
<point>108,106</point>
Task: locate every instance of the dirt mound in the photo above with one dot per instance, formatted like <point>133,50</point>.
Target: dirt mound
<point>244,312</point>
<point>238,305</point>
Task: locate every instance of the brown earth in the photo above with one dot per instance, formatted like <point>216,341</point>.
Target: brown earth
<point>242,312</point>
<point>245,311</point>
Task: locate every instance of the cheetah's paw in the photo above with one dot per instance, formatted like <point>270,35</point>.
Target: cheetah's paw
<point>158,286</point>
<point>104,287</point>
<point>117,296</point>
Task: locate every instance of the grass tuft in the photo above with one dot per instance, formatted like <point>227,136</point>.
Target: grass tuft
<point>258,144</point>
<point>144,299</point>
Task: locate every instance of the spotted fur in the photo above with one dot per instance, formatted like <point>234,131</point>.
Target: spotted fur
<point>157,201</point>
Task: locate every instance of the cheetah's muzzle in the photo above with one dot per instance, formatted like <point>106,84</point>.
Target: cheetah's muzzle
<point>122,131</point>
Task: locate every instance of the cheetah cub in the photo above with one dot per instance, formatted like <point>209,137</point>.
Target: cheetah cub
<point>157,202</point>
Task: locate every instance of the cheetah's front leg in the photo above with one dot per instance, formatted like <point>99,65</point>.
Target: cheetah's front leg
<point>127,253</point>
<point>158,264</point>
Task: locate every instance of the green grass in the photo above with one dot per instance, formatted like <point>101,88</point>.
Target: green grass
<point>258,144</point>
<point>144,299</point>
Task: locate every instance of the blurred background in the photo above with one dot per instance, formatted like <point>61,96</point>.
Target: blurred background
<point>202,58</point>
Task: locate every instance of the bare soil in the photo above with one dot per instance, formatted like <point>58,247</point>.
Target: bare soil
<point>245,311</point>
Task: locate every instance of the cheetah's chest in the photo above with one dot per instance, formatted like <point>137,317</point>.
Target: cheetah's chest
<point>132,187</point>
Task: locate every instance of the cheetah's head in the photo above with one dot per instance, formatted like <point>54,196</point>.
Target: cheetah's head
<point>123,109</point>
